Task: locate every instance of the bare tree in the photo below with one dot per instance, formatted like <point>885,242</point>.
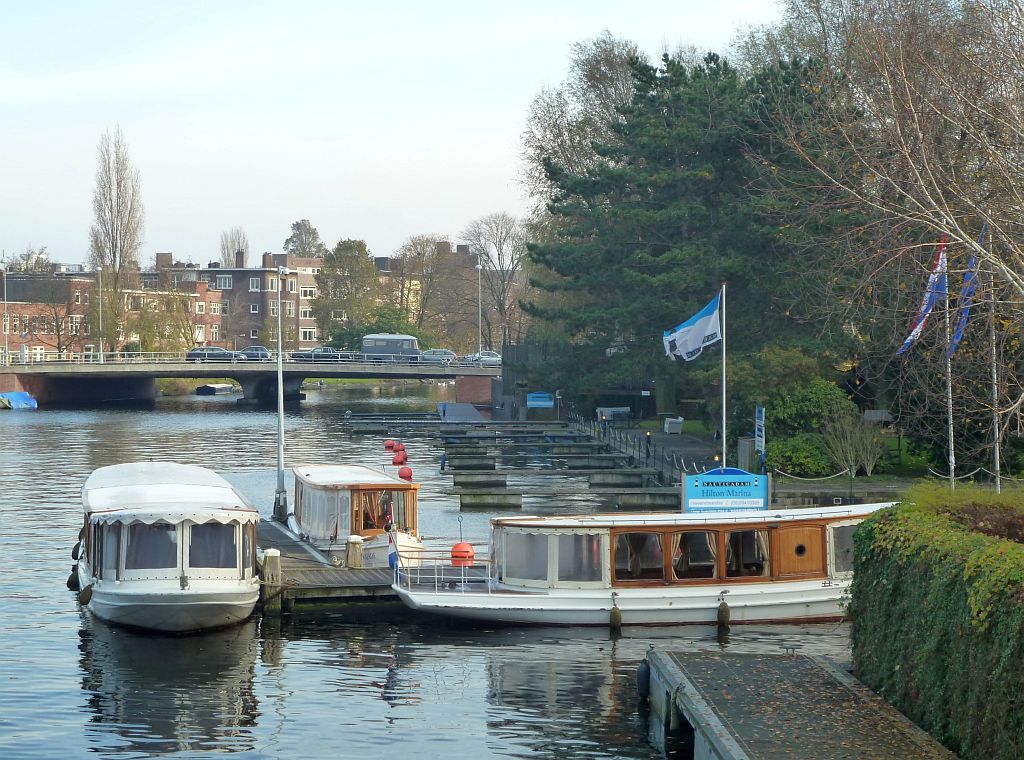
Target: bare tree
<point>116,235</point>
<point>499,243</point>
<point>420,263</point>
<point>231,242</point>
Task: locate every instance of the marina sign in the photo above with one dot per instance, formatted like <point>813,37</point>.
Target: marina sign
<point>723,489</point>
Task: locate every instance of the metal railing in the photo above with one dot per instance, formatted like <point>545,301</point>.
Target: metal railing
<point>178,357</point>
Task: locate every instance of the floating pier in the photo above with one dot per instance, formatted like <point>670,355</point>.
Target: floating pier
<point>761,707</point>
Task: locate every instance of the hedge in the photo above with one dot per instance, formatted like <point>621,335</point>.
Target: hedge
<point>937,611</point>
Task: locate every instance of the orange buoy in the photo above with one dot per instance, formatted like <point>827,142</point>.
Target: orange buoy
<point>399,458</point>
<point>462,554</point>
<point>399,447</point>
<point>405,473</point>
<point>389,445</point>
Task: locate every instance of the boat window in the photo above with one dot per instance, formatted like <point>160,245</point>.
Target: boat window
<point>212,545</point>
<point>842,547</point>
<point>402,511</point>
<point>248,542</point>
<point>109,549</point>
<point>639,556</point>
<point>579,557</point>
<point>694,554</point>
<point>526,556</point>
<point>372,507</point>
<point>151,546</point>
<point>746,553</point>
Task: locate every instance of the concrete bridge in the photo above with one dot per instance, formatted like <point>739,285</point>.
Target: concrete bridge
<point>133,377</point>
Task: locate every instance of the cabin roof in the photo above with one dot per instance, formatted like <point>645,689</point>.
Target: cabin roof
<point>347,476</point>
<point>691,519</point>
<point>152,486</point>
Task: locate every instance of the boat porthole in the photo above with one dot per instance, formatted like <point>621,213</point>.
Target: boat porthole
<point>801,550</point>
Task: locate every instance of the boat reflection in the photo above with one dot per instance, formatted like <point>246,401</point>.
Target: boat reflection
<point>154,694</point>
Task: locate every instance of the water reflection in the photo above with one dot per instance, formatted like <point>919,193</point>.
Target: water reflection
<point>162,694</point>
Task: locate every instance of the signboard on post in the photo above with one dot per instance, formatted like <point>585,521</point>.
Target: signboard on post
<point>759,429</point>
<point>540,400</point>
<point>723,489</point>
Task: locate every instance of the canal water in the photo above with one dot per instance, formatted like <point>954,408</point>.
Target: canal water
<point>333,685</point>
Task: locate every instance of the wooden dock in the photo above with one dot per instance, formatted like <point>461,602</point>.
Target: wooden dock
<point>762,707</point>
<point>306,579</point>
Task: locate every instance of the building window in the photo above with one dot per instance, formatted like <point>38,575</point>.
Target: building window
<point>215,308</point>
<point>254,334</point>
<point>224,282</point>
<point>7,323</point>
<point>307,293</point>
<point>291,285</point>
<point>307,333</point>
<point>272,284</point>
<point>305,313</point>
<point>200,307</point>
<point>86,299</point>
<point>254,308</point>
<point>273,308</point>
<point>78,296</point>
<point>214,332</point>
<point>224,307</point>
<point>254,284</point>
<point>289,308</point>
<point>200,333</point>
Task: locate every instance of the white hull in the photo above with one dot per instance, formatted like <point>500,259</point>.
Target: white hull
<point>780,601</point>
<point>375,551</point>
<point>164,606</point>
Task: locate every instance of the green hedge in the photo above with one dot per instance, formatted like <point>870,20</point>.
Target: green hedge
<point>938,615</point>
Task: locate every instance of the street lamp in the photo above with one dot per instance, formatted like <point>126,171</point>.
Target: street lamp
<point>7,321</point>
<point>101,311</point>
<point>479,311</point>
<point>280,497</point>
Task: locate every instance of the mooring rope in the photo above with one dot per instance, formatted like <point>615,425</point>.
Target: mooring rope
<point>827,477</point>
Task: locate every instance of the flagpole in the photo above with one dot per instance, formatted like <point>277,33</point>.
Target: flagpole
<point>949,402</point>
<point>723,375</point>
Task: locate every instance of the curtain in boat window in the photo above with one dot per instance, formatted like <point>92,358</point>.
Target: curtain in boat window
<point>526,556</point>
<point>213,545</point>
<point>693,554</point>
<point>109,549</point>
<point>747,553</point>
<point>248,542</point>
<point>151,547</point>
<point>639,556</point>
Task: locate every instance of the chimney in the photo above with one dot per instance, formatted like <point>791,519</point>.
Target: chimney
<point>443,247</point>
<point>268,260</point>
<point>164,260</point>
<point>240,259</point>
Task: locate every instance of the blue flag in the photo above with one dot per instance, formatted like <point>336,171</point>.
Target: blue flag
<point>963,310</point>
<point>695,334</point>
<point>936,289</point>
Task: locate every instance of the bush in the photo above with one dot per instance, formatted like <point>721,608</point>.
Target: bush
<point>937,608</point>
<point>802,455</point>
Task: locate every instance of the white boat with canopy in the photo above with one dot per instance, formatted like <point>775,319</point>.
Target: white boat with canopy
<point>167,547</point>
<point>339,506</point>
<point>790,565</point>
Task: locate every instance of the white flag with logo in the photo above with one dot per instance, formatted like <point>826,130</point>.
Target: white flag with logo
<point>692,336</point>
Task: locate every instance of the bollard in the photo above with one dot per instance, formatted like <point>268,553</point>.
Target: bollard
<point>271,588</point>
<point>354,552</point>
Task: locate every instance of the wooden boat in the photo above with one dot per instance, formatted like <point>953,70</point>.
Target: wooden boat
<point>338,505</point>
<point>790,565</point>
<point>166,547</point>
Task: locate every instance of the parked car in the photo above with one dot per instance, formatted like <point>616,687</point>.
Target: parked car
<point>438,356</point>
<point>484,359</point>
<point>213,354</point>
<point>321,354</point>
<point>257,353</point>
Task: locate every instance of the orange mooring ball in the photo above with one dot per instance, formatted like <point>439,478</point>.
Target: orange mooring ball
<point>389,445</point>
<point>399,447</point>
<point>405,473</point>
<point>399,458</point>
<point>462,554</point>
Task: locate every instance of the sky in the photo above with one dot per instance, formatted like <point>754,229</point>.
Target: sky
<point>375,121</point>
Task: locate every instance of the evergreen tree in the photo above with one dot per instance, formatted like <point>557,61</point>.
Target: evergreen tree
<point>347,287</point>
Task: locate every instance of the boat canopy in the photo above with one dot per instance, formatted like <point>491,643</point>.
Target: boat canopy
<point>345,476</point>
<point>174,513</point>
<point>151,488</point>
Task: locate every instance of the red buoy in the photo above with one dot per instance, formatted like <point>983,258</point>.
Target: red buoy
<point>399,447</point>
<point>399,458</point>
<point>462,554</point>
<point>405,473</point>
<point>389,445</point>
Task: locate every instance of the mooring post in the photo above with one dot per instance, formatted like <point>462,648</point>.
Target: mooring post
<point>272,586</point>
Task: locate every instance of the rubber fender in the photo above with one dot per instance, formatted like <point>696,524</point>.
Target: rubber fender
<point>85,596</point>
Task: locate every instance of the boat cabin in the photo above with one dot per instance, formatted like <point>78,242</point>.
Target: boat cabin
<point>154,521</point>
<point>333,502</point>
<point>674,549</point>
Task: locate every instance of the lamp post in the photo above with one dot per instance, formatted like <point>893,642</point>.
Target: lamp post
<point>7,321</point>
<point>101,311</point>
<point>280,497</point>
<point>479,311</point>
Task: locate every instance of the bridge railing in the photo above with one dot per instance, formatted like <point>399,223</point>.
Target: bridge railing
<point>177,357</point>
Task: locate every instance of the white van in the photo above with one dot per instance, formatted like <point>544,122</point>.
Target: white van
<point>391,347</point>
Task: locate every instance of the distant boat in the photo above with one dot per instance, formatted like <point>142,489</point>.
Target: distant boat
<point>17,400</point>
<point>765,566</point>
<point>166,547</point>
<point>215,389</point>
<point>336,502</point>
